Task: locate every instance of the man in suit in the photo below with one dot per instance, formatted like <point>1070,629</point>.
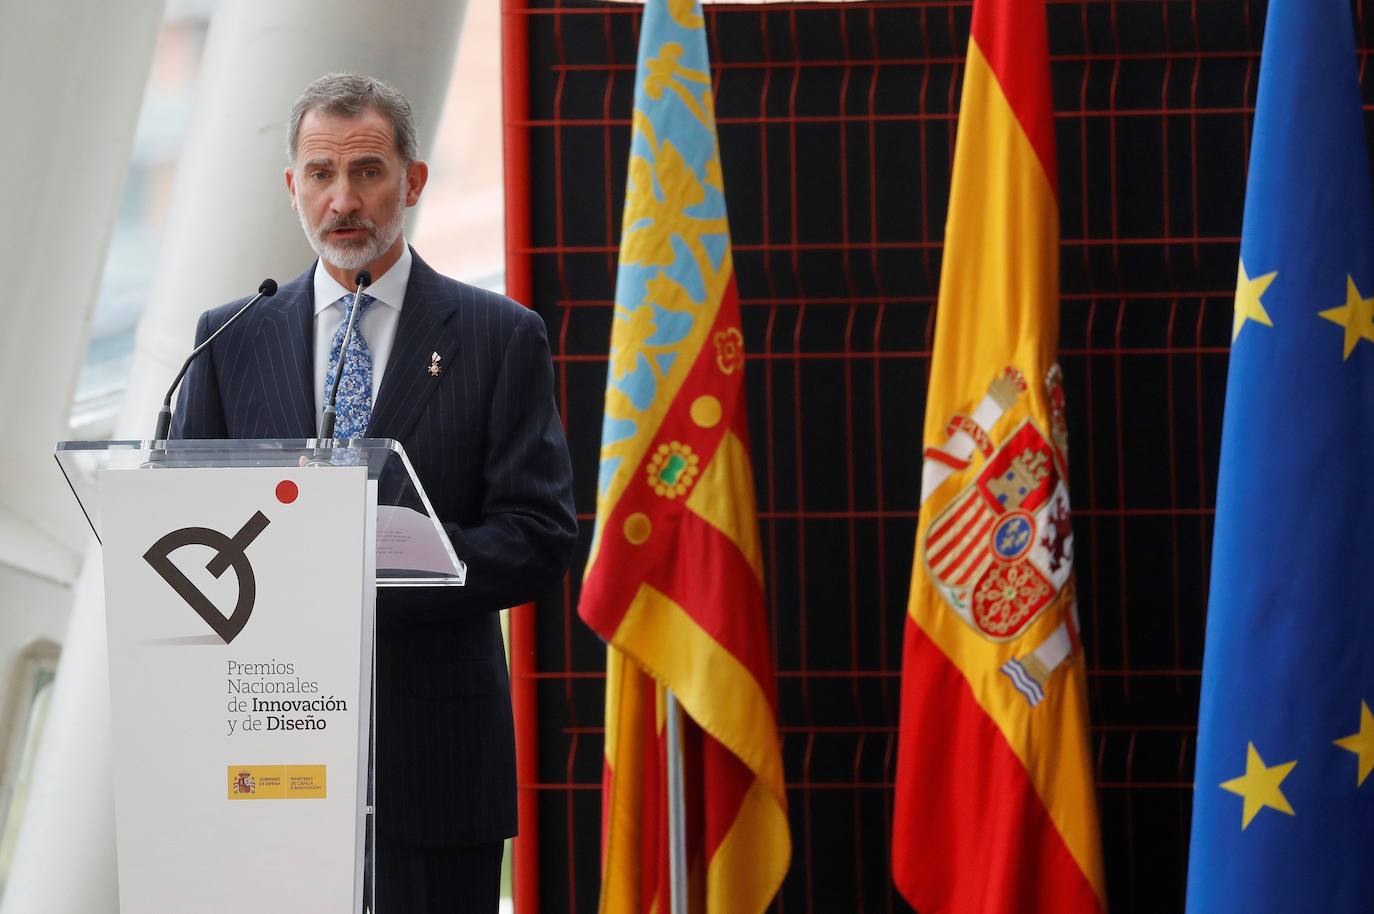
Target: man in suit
<point>462,378</point>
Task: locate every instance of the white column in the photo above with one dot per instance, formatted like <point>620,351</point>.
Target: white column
<point>73,76</point>
<point>229,226</point>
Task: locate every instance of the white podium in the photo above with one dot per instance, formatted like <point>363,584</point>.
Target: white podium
<point>240,590</point>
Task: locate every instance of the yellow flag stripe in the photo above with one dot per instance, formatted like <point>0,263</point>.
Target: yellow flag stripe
<point>724,498</point>
<point>625,718</point>
<point>757,845</point>
<point>1000,273</point>
<point>1000,277</point>
<point>678,653</point>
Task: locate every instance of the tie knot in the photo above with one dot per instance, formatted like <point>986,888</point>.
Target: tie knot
<point>346,303</point>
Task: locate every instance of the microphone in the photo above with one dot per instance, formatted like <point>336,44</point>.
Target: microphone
<point>361,281</point>
<point>164,415</point>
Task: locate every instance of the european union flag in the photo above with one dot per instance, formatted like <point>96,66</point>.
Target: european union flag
<point>1283,815</point>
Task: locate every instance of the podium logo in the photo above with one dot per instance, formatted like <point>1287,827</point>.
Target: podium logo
<point>230,552</point>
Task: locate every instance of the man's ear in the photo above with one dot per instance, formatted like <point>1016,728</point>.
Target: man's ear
<point>417,174</point>
<point>290,186</point>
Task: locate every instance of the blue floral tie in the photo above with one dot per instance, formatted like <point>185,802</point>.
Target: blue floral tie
<point>353,409</point>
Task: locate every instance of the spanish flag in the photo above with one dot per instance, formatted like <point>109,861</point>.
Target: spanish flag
<point>674,583</point>
<point>994,807</point>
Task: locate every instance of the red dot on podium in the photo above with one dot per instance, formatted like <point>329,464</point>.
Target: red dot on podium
<point>287,491</point>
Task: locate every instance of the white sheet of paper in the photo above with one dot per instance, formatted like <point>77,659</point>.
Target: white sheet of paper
<point>406,542</point>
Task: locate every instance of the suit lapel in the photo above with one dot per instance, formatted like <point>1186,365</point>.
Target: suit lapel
<point>285,353</point>
<point>423,330</point>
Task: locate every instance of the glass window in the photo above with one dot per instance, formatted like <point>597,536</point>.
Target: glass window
<point>132,256</point>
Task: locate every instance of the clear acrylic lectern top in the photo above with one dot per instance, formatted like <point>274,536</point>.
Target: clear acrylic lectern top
<point>412,548</point>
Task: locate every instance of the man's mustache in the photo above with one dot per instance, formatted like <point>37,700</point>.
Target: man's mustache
<point>344,223</point>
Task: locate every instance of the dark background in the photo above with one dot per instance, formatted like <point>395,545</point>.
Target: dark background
<point>837,132</point>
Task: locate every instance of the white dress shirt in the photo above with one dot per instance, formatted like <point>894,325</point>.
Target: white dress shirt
<point>377,324</point>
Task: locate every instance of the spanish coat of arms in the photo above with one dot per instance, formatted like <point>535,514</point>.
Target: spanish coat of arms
<point>1001,551</point>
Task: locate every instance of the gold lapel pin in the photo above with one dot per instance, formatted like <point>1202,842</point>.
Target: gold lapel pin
<point>434,368</point>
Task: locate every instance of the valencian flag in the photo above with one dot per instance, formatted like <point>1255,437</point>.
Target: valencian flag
<point>674,583</point>
<point>994,806</point>
<point>1283,808</point>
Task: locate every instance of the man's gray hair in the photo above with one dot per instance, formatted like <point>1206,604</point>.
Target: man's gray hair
<point>349,95</point>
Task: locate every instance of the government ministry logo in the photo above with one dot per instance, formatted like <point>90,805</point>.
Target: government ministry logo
<point>230,552</point>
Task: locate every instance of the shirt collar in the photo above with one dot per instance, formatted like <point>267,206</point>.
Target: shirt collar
<point>389,289</point>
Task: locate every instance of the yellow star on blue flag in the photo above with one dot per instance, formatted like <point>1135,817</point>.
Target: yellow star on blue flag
<point>1248,305</point>
<point>1260,786</point>
<point>1356,316</point>
<point>1361,743</point>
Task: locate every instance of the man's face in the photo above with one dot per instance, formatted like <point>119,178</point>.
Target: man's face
<point>350,187</point>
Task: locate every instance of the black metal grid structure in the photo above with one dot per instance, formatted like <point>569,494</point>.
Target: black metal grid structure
<point>837,125</point>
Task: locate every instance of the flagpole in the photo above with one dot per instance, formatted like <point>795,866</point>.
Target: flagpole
<point>677,826</point>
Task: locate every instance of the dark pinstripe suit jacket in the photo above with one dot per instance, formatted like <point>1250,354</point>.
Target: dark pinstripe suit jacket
<point>487,444</point>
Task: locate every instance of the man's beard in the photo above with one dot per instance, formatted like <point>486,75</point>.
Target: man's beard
<point>356,254</point>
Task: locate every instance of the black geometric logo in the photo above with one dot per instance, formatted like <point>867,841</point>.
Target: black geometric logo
<point>230,552</point>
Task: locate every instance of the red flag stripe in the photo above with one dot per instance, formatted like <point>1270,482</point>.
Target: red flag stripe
<point>1010,860</point>
<point>969,542</point>
<point>709,578</point>
<point>975,568</point>
<point>947,537</point>
<point>1014,39</point>
<point>948,523</point>
<point>728,780</point>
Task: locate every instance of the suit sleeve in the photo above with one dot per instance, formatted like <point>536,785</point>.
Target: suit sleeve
<point>522,545</point>
<point>199,412</point>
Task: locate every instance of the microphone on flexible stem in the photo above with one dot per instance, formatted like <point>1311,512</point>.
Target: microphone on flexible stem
<point>267,289</point>
<point>361,281</point>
